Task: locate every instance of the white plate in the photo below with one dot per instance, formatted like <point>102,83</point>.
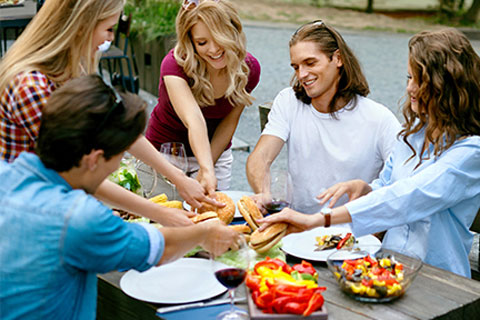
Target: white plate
<point>235,195</point>
<point>182,281</point>
<point>302,245</point>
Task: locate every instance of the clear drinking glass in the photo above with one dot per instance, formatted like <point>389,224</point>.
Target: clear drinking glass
<point>232,277</point>
<point>277,190</point>
<point>176,155</point>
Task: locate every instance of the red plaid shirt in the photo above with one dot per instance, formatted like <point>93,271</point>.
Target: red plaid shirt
<point>20,113</point>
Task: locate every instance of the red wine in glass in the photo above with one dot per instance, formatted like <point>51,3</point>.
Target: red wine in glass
<point>230,277</point>
<point>276,206</point>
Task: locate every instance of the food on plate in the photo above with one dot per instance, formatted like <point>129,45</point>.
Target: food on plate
<point>226,213</point>
<point>126,176</point>
<point>130,217</point>
<point>278,288</point>
<point>204,216</point>
<point>159,198</point>
<point>250,212</point>
<point>265,240</point>
<point>241,228</point>
<point>332,241</point>
<point>370,277</point>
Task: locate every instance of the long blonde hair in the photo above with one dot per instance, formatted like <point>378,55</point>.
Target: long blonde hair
<point>58,41</point>
<point>224,24</point>
<point>447,70</point>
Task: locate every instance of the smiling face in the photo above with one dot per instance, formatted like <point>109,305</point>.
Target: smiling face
<point>207,48</point>
<point>104,31</point>
<point>317,73</point>
<point>412,90</point>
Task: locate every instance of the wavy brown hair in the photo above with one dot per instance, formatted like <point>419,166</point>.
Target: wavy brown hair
<point>328,40</point>
<point>447,71</point>
<point>224,24</point>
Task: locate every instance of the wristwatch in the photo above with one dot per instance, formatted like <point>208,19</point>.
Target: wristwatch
<point>327,215</point>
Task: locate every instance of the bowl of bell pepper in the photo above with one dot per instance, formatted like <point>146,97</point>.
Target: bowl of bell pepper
<point>281,291</point>
<point>374,274</point>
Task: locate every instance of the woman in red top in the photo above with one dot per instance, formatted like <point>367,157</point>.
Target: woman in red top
<point>205,83</point>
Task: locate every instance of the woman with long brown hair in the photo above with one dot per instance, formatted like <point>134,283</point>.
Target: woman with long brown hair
<point>428,192</point>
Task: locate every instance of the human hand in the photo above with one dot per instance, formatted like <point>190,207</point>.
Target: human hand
<point>193,193</point>
<point>259,199</point>
<point>208,181</point>
<point>353,188</point>
<point>297,222</point>
<point>219,238</point>
<point>171,217</point>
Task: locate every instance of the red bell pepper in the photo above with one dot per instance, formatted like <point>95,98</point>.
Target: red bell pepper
<point>315,303</point>
<point>295,307</point>
<point>273,264</point>
<point>263,300</point>
<point>305,267</point>
<point>341,243</point>
<point>252,281</point>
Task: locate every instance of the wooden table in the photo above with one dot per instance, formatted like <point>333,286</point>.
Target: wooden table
<point>16,17</point>
<point>435,293</point>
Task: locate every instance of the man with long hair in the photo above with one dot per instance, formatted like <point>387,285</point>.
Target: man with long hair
<point>332,130</point>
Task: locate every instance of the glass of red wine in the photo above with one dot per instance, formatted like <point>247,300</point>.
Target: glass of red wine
<point>233,276</point>
<point>277,190</point>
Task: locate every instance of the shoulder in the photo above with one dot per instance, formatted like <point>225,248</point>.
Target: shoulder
<point>287,95</point>
<point>252,63</point>
<point>375,109</point>
<point>170,65</point>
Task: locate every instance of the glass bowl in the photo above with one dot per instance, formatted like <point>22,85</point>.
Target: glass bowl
<point>373,273</point>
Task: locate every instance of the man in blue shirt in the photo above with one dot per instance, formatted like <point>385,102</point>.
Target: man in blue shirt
<point>55,235</point>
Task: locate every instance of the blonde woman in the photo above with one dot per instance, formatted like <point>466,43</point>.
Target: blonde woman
<point>205,83</point>
<point>62,43</point>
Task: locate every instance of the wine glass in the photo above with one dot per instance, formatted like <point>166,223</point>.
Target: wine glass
<point>276,190</point>
<point>232,277</point>
<point>176,155</point>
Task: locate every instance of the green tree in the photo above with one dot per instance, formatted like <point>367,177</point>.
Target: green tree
<point>471,16</point>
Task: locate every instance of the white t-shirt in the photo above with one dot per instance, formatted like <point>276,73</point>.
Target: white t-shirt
<point>323,151</point>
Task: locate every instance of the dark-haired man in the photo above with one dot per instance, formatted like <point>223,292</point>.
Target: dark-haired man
<point>333,132</point>
<point>55,235</point>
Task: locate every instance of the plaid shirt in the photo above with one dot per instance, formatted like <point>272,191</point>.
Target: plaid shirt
<point>20,113</point>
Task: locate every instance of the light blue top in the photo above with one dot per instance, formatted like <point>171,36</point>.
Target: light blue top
<point>428,210</point>
<point>54,240</point>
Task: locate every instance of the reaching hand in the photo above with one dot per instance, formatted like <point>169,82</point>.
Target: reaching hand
<point>259,201</point>
<point>353,188</point>
<point>219,238</point>
<point>297,221</point>
<point>170,217</point>
<point>193,193</point>
<point>208,182</point>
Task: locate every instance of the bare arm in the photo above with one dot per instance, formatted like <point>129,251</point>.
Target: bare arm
<point>224,132</point>
<point>259,161</point>
<point>129,201</point>
<point>299,222</point>
<point>190,189</point>
<point>212,235</point>
<point>192,118</point>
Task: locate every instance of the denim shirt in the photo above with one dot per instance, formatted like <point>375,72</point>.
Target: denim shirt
<point>55,239</point>
<point>426,210</point>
